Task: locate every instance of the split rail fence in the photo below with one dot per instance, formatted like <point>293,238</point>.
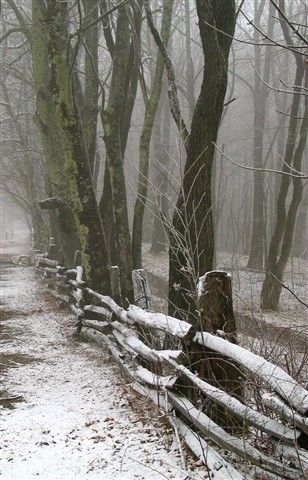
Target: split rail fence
<point>241,439</point>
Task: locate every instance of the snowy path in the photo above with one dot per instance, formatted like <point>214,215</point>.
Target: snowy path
<point>77,418</point>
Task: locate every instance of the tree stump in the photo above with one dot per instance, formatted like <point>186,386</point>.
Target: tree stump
<point>216,316</point>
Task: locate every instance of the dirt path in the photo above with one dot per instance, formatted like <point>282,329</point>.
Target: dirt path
<point>66,412</point>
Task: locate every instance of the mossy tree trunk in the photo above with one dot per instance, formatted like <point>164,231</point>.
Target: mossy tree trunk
<point>145,138</point>
<point>129,84</point>
<point>91,87</point>
<point>51,135</point>
<point>111,119</point>
<point>75,169</point>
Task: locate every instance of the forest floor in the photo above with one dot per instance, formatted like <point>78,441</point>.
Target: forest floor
<point>66,411</point>
<point>281,337</point>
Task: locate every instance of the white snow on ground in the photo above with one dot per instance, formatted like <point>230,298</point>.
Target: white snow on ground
<point>247,288</point>
<point>79,419</point>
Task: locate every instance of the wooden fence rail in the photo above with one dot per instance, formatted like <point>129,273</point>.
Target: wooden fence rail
<point>272,440</point>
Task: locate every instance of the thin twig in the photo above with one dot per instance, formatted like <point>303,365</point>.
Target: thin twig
<point>289,290</point>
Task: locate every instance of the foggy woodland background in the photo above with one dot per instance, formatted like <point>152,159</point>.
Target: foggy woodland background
<point>82,44</point>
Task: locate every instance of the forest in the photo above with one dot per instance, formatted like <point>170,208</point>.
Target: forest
<point>167,137</point>
<point>137,123</point>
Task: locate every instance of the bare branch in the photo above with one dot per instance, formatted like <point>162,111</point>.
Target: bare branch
<point>172,91</point>
<point>289,290</point>
<point>255,169</point>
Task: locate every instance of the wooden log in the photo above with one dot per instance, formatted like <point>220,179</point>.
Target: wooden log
<point>77,296</point>
<point>135,372</point>
<point>239,446</point>
<point>259,474</point>
<point>103,327</point>
<point>121,341</point>
<point>159,321</point>
<point>115,280</point>
<point>297,456</point>
<point>246,414</point>
<point>274,376</point>
<point>119,312</point>
<point>144,375</point>
<point>54,280</point>
<point>137,316</point>
<point>131,340</point>
<point>77,311</point>
<point>65,299</point>
<point>79,273</point>
<point>67,272</point>
<point>218,466</point>
<point>47,262</point>
<point>51,270</point>
<point>275,403</point>
<point>142,296</point>
<point>142,299</point>
<point>97,313</point>
<point>61,277</point>
<point>76,284</point>
<point>156,356</point>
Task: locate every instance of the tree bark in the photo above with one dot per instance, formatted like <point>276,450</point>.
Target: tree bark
<point>261,93</point>
<point>162,149</point>
<point>145,139</point>
<point>111,118</point>
<point>285,217</point>
<point>77,186</point>
<point>282,238</point>
<point>192,237</point>
<point>91,87</point>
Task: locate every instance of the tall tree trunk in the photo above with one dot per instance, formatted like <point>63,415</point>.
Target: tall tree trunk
<point>130,90</point>
<point>112,136</point>
<point>51,135</point>
<point>192,237</point>
<point>189,67</point>
<point>162,151</point>
<point>286,216</point>
<point>145,138</point>
<point>91,87</point>
<point>261,93</point>
<point>78,189</point>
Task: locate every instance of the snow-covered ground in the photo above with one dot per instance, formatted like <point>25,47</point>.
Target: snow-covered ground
<point>280,337</point>
<point>76,416</point>
<point>247,288</point>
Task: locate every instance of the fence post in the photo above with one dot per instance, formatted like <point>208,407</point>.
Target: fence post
<point>142,296</point>
<point>215,304</point>
<point>52,250</point>
<point>116,284</point>
<point>216,316</point>
<point>143,299</point>
<point>80,301</point>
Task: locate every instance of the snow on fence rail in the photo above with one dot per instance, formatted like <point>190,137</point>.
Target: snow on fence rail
<point>136,339</point>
